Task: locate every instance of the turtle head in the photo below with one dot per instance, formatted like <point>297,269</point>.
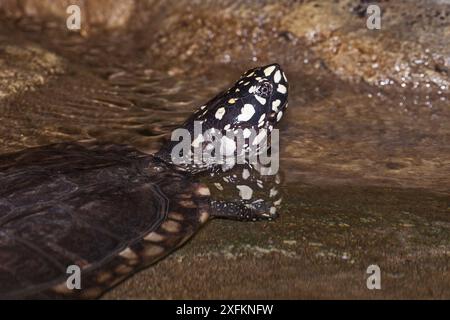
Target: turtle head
<point>256,101</point>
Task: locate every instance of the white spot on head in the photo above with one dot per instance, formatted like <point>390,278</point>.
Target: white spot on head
<point>268,71</point>
<point>262,117</point>
<point>252,89</point>
<point>247,132</point>
<point>197,141</point>
<point>231,101</point>
<point>277,76</point>
<point>260,99</point>
<point>245,174</point>
<point>247,112</point>
<point>275,105</point>
<point>245,192</point>
<point>228,163</point>
<point>227,147</point>
<point>279,115</point>
<point>219,113</point>
<point>281,89</point>
<point>260,137</point>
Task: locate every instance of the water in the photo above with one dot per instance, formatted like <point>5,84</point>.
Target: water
<point>396,135</point>
<point>349,152</point>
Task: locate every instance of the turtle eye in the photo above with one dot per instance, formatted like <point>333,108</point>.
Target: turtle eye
<point>264,89</point>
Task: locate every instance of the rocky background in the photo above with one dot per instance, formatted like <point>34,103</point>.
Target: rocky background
<point>412,47</point>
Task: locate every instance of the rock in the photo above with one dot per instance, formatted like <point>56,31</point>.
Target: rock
<point>411,48</point>
<point>108,14</point>
<point>25,67</point>
<point>331,265</point>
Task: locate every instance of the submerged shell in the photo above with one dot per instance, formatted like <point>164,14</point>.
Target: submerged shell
<point>108,209</point>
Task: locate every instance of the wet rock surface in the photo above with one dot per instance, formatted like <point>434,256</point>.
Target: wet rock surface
<point>365,145</point>
<point>320,247</point>
<point>410,49</point>
<point>24,67</point>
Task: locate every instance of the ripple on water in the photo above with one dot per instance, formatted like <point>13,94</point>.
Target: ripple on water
<point>334,131</point>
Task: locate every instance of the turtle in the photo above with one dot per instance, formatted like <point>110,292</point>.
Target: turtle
<point>106,210</point>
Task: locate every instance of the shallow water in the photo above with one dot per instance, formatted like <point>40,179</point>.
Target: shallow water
<point>336,131</point>
<point>349,152</point>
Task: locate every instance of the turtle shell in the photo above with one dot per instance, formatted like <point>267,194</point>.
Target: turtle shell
<point>108,209</point>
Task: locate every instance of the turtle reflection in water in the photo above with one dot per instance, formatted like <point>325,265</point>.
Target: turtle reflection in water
<point>111,210</point>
